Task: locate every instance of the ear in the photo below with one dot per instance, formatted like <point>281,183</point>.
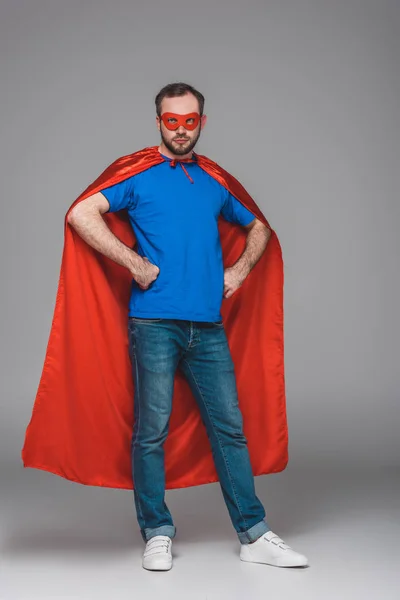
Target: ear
<point>158,122</point>
<point>203,121</point>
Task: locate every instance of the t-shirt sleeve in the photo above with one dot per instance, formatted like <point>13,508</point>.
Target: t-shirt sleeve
<point>235,212</point>
<point>120,195</point>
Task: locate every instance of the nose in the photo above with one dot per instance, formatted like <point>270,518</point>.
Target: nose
<point>181,129</point>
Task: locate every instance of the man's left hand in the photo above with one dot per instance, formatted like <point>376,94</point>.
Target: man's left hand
<point>233,279</point>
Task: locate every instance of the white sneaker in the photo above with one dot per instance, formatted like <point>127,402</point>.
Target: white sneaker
<point>157,555</point>
<point>272,550</point>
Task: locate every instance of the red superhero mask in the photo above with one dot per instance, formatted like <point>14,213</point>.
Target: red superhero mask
<point>173,120</point>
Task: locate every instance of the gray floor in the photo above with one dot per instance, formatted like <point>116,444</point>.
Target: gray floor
<point>64,540</point>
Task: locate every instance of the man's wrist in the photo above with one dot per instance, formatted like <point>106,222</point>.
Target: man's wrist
<point>242,268</point>
<point>135,263</point>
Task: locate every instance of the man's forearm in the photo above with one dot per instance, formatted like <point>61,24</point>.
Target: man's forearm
<point>256,242</point>
<point>91,226</point>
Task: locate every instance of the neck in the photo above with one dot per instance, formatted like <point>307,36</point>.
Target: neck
<point>164,150</point>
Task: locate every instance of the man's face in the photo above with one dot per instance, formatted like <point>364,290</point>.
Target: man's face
<point>181,105</point>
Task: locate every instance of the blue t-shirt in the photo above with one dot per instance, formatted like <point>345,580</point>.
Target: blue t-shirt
<point>175,223</point>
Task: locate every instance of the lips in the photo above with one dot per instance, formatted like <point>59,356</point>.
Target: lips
<point>181,140</point>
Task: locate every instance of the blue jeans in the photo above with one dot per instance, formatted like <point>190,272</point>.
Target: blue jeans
<point>157,348</point>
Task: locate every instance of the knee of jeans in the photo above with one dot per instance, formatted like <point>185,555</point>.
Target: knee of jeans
<point>234,436</point>
<point>150,433</point>
<point>230,424</point>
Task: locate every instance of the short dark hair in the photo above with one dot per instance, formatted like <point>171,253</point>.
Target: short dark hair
<point>178,89</point>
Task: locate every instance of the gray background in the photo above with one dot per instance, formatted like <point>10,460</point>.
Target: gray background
<point>302,101</point>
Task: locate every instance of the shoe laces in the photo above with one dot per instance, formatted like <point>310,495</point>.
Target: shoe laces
<point>157,545</point>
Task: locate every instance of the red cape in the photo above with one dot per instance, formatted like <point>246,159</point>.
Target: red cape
<point>82,418</point>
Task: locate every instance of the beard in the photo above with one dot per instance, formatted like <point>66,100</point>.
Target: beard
<point>180,149</point>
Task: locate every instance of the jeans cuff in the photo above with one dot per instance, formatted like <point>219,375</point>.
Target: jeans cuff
<point>169,530</point>
<point>252,534</point>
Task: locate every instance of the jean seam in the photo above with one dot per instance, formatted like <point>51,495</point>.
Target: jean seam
<point>137,429</point>
<point>220,445</point>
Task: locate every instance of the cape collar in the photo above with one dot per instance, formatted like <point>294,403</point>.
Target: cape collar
<point>176,161</point>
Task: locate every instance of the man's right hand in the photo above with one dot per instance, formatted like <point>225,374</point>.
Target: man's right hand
<point>145,273</point>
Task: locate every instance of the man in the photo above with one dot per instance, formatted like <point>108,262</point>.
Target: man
<point>175,322</point>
